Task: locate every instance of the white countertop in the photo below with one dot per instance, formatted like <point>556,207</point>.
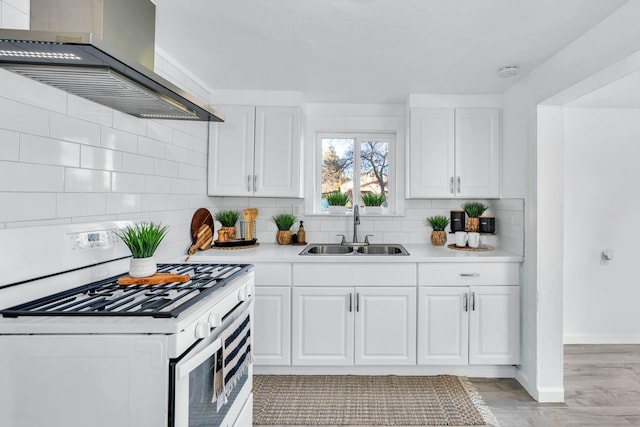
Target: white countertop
<point>271,252</point>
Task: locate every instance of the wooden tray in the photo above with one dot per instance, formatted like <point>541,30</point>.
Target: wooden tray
<point>156,279</point>
<point>468,249</point>
<point>234,243</point>
<point>235,248</point>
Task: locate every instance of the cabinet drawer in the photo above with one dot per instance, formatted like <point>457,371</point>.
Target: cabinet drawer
<point>350,274</point>
<point>273,274</point>
<point>468,274</point>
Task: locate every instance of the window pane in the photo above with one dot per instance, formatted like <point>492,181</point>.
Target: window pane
<point>337,167</point>
<point>374,167</point>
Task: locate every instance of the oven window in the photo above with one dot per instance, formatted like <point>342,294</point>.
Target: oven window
<point>202,411</point>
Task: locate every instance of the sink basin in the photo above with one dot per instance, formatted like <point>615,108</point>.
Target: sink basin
<point>338,249</point>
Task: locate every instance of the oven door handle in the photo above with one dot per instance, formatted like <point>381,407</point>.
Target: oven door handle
<point>189,365</point>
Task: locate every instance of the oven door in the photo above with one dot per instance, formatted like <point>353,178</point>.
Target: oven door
<point>211,384</point>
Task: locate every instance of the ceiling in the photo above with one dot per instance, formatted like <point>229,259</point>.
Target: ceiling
<point>621,93</point>
<point>369,51</point>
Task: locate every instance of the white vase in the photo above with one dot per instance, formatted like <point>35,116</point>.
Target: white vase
<point>142,267</point>
<point>337,209</point>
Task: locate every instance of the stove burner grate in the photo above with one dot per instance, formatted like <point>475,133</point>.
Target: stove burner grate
<point>107,298</point>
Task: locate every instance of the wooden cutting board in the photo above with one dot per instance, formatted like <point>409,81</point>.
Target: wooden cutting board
<point>201,216</point>
<point>156,279</point>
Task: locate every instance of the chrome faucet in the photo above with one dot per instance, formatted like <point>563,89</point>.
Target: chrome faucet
<point>356,222</point>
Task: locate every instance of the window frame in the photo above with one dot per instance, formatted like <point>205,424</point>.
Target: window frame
<point>359,137</point>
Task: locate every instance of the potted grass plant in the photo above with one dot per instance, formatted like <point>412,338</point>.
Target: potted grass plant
<point>228,219</point>
<point>373,202</point>
<point>337,202</point>
<point>438,223</point>
<point>142,240</point>
<point>284,222</point>
<point>474,210</point>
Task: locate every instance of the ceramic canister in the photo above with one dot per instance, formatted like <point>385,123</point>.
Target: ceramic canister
<point>487,224</point>
<point>457,222</point>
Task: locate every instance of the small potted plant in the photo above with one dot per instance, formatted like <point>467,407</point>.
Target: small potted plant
<point>284,222</point>
<point>337,202</point>
<point>373,202</point>
<point>438,223</point>
<point>228,219</point>
<point>143,240</point>
<point>474,210</point>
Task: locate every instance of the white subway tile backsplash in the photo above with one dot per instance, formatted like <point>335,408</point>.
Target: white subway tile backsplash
<point>93,218</point>
<point>127,182</point>
<point>129,123</point>
<point>31,92</point>
<point>9,145</point>
<point>88,110</point>
<point>135,163</point>
<point>26,177</point>
<point>165,168</point>
<point>158,184</point>
<point>182,139</point>
<point>26,206</point>
<point>119,140</point>
<point>159,131</point>
<point>80,204</point>
<point>48,151</point>
<point>120,203</point>
<point>100,158</point>
<point>38,223</point>
<point>187,186</point>
<point>21,117</point>
<point>86,181</point>
<point>192,172</point>
<point>74,130</point>
<point>151,147</point>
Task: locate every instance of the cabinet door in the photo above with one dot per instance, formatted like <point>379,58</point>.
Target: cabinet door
<point>277,152</point>
<point>322,323</point>
<point>385,330</point>
<point>494,325</point>
<point>230,171</point>
<point>443,326</point>
<point>272,325</point>
<point>431,152</point>
<point>477,152</point>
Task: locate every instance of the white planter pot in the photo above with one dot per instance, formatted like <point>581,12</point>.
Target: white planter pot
<point>142,267</point>
<point>337,209</point>
<point>373,210</point>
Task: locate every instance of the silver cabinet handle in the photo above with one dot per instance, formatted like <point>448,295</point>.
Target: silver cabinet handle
<point>469,275</point>
<point>350,303</point>
<point>473,301</point>
<point>255,183</point>
<point>249,183</point>
<point>466,302</point>
<point>357,302</point>
<point>451,185</point>
<point>458,179</point>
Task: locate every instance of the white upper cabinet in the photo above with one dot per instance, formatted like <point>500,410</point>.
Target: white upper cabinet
<point>255,152</point>
<point>454,152</point>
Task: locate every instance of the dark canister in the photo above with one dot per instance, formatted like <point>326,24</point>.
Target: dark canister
<point>457,221</point>
<point>487,224</point>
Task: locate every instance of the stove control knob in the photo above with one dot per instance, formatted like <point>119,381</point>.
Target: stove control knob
<point>215,319</point>
<point>243,294</point>
<point>202,330</point>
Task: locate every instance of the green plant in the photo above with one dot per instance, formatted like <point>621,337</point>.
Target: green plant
<point>337,198</point>
<point>143,239</point>
<point>228,218</point>
<point>474,209</point>
<point>438,222</point>
<point>372,199</point>
<point>284,221</point>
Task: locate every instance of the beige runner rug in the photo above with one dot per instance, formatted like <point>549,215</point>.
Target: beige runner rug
<point>350,400</point>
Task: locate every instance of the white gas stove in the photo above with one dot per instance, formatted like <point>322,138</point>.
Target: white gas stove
<point>77,353</point>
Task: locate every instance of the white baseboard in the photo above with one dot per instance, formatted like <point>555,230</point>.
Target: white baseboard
<point>465,370</point>
<point>601,339</point>
<point>540,394</point>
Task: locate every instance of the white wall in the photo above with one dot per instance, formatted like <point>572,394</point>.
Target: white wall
<point>601,203</point>
<point>612,40</point>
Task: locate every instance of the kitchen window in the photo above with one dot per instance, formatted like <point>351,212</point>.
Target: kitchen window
<point>356,164</point>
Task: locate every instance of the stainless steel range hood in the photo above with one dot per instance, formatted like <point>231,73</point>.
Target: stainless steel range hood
<point>100,50</point>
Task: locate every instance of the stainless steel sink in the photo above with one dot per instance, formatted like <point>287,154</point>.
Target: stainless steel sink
<point>338,249</point>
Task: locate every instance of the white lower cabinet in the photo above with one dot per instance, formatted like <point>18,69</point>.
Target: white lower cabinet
<point>475,325</point>
<point>346,326</point>
<point>272,325</point>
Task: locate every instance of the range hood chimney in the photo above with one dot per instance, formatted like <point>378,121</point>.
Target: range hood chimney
<point>101,50</point>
